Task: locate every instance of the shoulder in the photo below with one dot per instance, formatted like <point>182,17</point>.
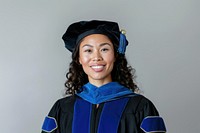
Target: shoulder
<point>66,100</point>
<point>145,114</point>
<point>140,103</point>
<point>139,100</point>
<point>64,104</point>
<point>60,110</point>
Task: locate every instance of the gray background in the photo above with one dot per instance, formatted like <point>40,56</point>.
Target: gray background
<point>164,38</point>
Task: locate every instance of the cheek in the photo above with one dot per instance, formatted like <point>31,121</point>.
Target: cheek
<point>111,59</point>
<point>83,60</point>
<point>112,62</point>
<point>80,58</point>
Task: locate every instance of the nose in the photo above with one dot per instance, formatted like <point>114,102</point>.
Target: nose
<point>97,56</point>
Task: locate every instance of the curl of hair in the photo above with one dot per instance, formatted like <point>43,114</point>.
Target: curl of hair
<point>121,73</point>
<point>124,74</point>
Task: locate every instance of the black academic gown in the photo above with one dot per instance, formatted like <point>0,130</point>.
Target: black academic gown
<point>136,110</point>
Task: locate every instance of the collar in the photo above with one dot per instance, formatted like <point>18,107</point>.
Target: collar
<point>107,92</point>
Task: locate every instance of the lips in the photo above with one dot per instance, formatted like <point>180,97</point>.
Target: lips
<point>97,68</point>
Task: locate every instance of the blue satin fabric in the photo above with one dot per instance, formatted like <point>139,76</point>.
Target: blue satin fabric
<point>107,92</point>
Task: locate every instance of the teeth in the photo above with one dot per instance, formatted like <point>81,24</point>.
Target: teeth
<point>97,67</point>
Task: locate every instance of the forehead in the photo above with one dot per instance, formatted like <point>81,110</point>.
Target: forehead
<point>95,39</point>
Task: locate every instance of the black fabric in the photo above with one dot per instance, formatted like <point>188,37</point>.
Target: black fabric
<point>78,30</point>
<point>138,107</point>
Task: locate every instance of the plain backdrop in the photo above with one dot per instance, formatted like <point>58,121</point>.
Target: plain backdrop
<point>164,44</point>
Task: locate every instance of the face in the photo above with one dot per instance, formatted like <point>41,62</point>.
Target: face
<point>96,55</point>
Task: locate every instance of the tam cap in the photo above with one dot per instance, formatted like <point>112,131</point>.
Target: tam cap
<point>78,30</point>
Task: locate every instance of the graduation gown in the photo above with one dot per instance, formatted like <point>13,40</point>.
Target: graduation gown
<point>123,112</point>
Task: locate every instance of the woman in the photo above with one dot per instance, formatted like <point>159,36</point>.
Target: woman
<point>101,85</point>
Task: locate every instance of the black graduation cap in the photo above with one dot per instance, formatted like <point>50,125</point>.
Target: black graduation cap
<point>78,30</point>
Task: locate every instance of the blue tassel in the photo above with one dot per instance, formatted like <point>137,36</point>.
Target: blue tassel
<point>122,42</point>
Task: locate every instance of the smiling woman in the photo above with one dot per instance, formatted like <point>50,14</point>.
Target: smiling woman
<point>102,87</point>
<point>96,55</point>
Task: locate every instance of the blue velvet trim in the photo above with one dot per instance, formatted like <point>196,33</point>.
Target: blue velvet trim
<point>49,124</point>
<point>96,95</point>
<point>153,124</point>
<point>82,114</point>
<point>111,115</point>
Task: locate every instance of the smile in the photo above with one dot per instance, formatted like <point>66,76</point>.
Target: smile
<point>98,68</point>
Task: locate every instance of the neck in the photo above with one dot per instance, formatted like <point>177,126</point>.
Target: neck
<point>99,83</point>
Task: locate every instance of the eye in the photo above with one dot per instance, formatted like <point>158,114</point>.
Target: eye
<point>104,49</point>
<point>88,50</point>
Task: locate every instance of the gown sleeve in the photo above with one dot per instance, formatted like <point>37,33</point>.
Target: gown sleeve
<point>50,124</point>
<point>141,116</point>
<point>150,121</point>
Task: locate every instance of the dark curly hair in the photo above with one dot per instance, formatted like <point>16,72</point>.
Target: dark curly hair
<point>121,73</point>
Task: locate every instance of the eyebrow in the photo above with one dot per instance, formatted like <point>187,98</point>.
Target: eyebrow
<point>102,44</point>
